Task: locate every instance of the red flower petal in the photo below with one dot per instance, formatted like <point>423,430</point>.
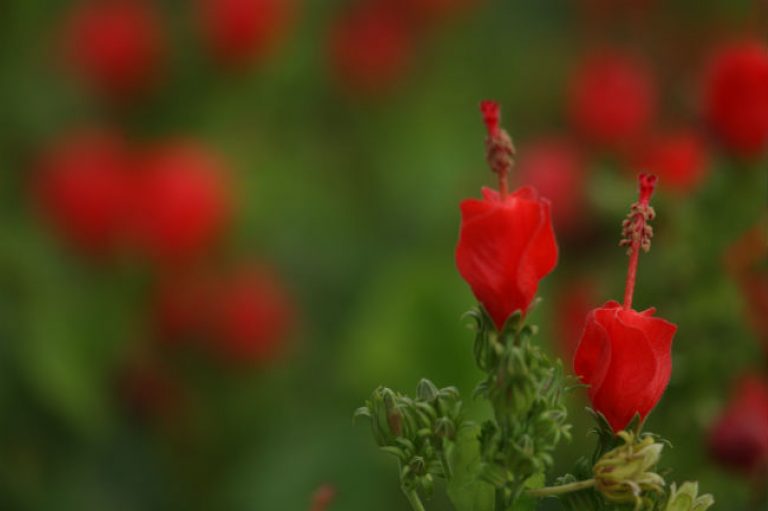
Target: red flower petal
<point>625,358</point>
<point>505,248</point>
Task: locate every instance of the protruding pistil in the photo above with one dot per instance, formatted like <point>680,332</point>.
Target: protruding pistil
<point>500,151</point>
<point>637,233</point>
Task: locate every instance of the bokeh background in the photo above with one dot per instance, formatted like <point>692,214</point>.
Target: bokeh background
<point>224,222</point>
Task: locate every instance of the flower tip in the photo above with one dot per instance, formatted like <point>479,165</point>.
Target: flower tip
<point>491,115</point>
<point>647,186</point>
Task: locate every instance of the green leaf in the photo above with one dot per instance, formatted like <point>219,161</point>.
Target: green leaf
<point>466,491</point>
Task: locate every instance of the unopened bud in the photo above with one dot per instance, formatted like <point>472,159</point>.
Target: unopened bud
<point>445,428</point>
<point>687,498</point>
<point>426,391</point>
<point>623,474</point>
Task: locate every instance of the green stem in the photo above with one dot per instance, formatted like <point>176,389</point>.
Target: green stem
<point>501,499</point>
<point>413,499</point>
<point>559,490</point>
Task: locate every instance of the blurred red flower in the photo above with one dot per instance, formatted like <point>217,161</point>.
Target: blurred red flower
<point>505,247</point>
<point>556,168</point>
<point>183,202</point>
<point>736,97</point>
<point>371,46</point>
<point>239,31</point>
<point>252,315</point>
<point>425,13</point>
<point>739,438</point>
<point>84,186</point>
<point>625,358</point>
<point>746,260</point>
<point>612,98</point>
<point>573,303</point>
<point>115,45</point>
<point>680,159</point>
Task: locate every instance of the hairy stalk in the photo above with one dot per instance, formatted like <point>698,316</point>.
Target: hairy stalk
<point>561,489</point>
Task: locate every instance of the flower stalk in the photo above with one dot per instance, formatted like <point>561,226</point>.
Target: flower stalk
<point>637,232</point>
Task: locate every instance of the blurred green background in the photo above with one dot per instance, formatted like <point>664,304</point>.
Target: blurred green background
<point>353,198</point>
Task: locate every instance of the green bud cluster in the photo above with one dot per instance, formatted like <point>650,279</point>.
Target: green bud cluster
<point>525,388</point>
<point>418,431</point>
<point>624,474</point>
<point>687,498</point>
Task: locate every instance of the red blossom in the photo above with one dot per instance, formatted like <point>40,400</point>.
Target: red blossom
<point>370,47</point>
<point>624,355</point>
<point>239,31</point>
<point>745,262</point>
<point>506,241</point>
<point>84,187</point>
<point>115,45</point>
<point>323,497</point>
<point>736,97</point>
<point>739,438</point>
<point>505,247</point>
<point>680,159</point>
<point>252,314</point>
<point>183,202</point>
<point>612,98</point>
<point>625,358</point>
<point>429,12</point>
<point>556,168</point>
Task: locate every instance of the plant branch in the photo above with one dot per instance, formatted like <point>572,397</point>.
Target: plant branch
<point>559,490</point>
<point>413,499</point>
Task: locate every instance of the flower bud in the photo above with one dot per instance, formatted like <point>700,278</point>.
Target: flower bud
<point>622,474</point>
<point>687,498</point>
<point>386,416</point>
<point>426,391</point>
<point>445,428</point>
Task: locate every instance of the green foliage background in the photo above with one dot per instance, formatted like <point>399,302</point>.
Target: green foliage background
<point>356,202</point>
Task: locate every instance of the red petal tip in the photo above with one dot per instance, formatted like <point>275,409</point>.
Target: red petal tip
<point>491,115</point>
<point>647,186</point>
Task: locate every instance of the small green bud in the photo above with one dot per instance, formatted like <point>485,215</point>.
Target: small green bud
<point>394,415</point>
<point>623,474</point>
<point>445,428</point>
<point>426,391</point>
<point>687,498</point>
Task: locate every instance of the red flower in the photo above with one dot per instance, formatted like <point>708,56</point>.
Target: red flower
<point>505,247</point>
<point>745,261</point>
<point>624,356</point>
<point>183,202</point>
<point>428,12</point>
<point>739,438</point>
<point>84,187</point>
<point>116,45</point>
<point>736,97</point>
<point>241,30</point>
<point>612,98</point>
<point>252,315</point>
<point>680,159</point>
<point>556,169</point>
<point>370,47</point>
